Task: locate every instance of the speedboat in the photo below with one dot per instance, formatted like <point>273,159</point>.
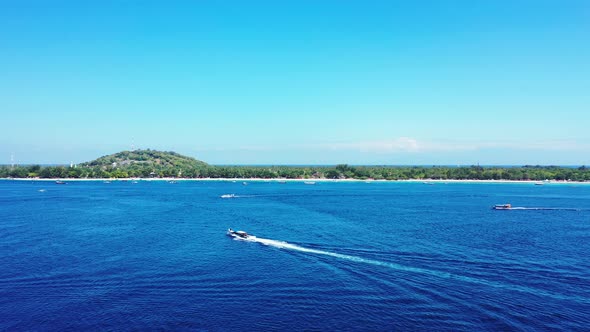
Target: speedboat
<point>238,234</point>
<point>309,182</point>
<point>59,182</point>
<point>502,207</point>
<point>228,196</point>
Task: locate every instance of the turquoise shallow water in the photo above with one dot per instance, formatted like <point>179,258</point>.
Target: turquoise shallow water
<point>330,256</point>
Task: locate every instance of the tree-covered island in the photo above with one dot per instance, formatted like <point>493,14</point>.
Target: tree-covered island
<point>158,164</point>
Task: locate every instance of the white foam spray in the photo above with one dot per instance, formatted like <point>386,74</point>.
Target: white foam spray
<point>290,246</point>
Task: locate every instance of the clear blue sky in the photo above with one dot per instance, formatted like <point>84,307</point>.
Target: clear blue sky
<point>297,82</point>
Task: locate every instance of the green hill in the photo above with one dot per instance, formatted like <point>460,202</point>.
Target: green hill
<point>145,163</point>
<point>146,157</point>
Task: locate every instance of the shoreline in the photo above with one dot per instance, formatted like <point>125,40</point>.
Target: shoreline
<point>425,181</point>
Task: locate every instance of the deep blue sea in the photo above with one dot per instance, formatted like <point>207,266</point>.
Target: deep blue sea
<point>92,256</point>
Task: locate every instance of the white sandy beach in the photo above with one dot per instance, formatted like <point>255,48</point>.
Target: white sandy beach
<point>426,181</point>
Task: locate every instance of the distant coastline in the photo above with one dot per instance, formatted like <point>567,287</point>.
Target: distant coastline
<point>165,165</point>
<point>279,180</point>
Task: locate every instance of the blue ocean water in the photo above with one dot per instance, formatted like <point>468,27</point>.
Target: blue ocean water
<point>331,256</point>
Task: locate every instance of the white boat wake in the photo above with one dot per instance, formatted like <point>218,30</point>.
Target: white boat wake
<point>236,196</point>
<point>290,246</point>
<point>403,268</point>
<point>544,208</point>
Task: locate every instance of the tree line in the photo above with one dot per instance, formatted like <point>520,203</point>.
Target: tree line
<point>186,170</point>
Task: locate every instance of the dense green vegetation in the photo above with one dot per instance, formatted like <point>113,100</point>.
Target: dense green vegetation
<point>137,163</point>
<point>406,172</point>
<point>150,163</point>
<point>142,163</point>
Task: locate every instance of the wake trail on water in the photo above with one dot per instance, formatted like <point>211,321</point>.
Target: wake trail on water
<point>546,208</point>
<point>233,196</point>
<point>403,268</point>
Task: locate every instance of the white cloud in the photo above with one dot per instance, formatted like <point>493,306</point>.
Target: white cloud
<point>408,144</point>
<point>402,144</point>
